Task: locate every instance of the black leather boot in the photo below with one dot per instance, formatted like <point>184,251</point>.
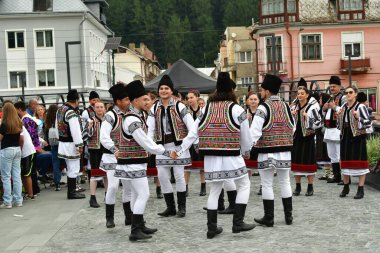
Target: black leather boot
<point>181,199</point>
<point>127,213</point>
<point>71,193</point>
<point>231,200</point>
<point>110,210</point>
<point>93,202</point>
<point>238,220</point>
<point>360,193</point>
<point>297,191</point>
<point>267,220</point>
<point>136,229</point>
<point>288,209</point>
<point>212,222</point>
<point>170,205</point>
<point>336,172</point>
<point>346,190</point>
<point>159,193</point>
<point>203,190</point>
<point>147,230</point>
<point>310,190</point>
<point>187,191</point>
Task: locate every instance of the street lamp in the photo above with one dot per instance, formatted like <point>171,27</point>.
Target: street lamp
<point>348,51</point>
<point>273,43</point>
<point>299,51</point>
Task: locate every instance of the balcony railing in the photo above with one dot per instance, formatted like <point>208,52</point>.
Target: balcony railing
<point>357,65</point>
<point>268,67</point>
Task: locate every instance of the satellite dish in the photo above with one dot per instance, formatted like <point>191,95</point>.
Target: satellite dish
<point>233,35</point>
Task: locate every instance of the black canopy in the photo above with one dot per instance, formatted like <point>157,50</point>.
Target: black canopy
<point>185,77</point>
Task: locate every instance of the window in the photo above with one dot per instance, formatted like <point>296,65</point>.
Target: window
<point>46,78</point>
<point>17,79</point>
<point>245,56</point>
<point>371,97</point>
<point>292,6</point>
<point>311,47</point>
<point>352,49</point>
<point>44,38</point>
<point>350,5</point>
<point>246,80</point>
<point>278,45</point>
<point>15,39</point>
<point>270,7</point>
<point>42,5</point>
<point>352,44</point>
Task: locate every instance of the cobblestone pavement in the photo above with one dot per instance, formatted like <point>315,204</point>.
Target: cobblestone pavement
<point>322,223</point>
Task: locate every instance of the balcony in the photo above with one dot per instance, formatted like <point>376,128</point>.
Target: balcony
<point>265,68</point>
<point>358,66</point>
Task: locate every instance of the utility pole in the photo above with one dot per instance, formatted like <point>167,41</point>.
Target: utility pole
<point>67,43</point>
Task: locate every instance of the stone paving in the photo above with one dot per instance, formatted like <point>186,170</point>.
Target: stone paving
<point>322,223</point>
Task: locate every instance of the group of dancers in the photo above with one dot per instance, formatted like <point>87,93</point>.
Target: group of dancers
<point>275,136</point>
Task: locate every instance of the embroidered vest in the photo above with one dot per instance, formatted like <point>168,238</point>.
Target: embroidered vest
<point>277,132</point>
<point>332,122</point>
<point>178,127</point>
<point>94,140</point>
<point>130,152</point>
<point>305,131</point>
<point>250,116</point>
<point>194,114</point>
<point>353,122</point>
<point>91,112</point>
<point>63,126</point>
<point>116,130</point>
<point>219,135</point>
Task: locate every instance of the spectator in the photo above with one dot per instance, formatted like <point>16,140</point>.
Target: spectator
<point>10,154</point>
<point>32,108</point>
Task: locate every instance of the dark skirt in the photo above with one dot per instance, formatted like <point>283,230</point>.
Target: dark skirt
<point>196,158</point>
<point>353,150</point>
<point>95,159</point>
<point>303,153</point>
<point>321,147</point>
<point>252,162</point>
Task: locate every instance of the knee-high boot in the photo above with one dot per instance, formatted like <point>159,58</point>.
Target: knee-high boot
<point>127,213</point>
<point>267,220</point>
<point>288,210</point>
<point>170,205</point>
<point>238,220</point>
<point>110,210</point>
<point>71,193</point>
<point>231,200</point>
<point>181,199</point>
<point>212,224</point>
<point>136,228</point>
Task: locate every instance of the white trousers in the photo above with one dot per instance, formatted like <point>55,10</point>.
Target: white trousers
<point>333,151</point>
<point>164,177</point>
<point>113,186</point>
<point>73,167</point>
<point>243,186</point>
<point>267,176</point>
<point>140,194</point>
<point>229,185</point>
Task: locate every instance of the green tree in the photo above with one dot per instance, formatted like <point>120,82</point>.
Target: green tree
<point>240,13</point>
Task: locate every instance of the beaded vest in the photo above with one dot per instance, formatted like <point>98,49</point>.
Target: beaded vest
<point>130,152</point>
<point>305,131</point>
<point>219,135</point>
<point>91,112</point>
<point>94,140</point>
<point>353,122</point>
<point>178,127</point>
<point>63,125</point>
<point>332,122</point>
<point>277,132</point>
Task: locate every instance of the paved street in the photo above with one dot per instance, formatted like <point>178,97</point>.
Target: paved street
<point>322,223</point>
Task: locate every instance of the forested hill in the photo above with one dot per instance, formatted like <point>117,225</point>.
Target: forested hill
<point>173,29</point>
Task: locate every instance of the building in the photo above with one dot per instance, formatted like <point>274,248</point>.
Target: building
<point>237,56</point>
<point>32,46</point>
<point>314,39</point>
<point>132,63</point>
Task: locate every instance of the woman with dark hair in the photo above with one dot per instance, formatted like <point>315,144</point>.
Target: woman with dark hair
<point>10,154</point>
<point>307,119</point>
<point>197,160</point>
<point>50,128</point>
<point>353,122</point>
<point>223,133</point>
